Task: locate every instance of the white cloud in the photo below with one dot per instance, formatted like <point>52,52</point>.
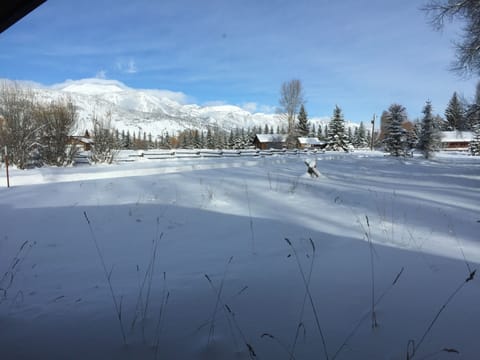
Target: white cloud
<point>129,66</point>
<point>176,96</point>
<point>214,103</point>
<point>102,74</point>
<point>253,107</point>
<point>267,109</point>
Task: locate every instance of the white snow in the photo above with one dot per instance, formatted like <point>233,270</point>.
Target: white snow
<point>92,89</point>
<point>224,223</point>
<point>268,138</point>
<point>455,136</point>
<point>312,141</point>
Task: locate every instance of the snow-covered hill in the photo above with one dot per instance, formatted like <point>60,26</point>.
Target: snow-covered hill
<point>152,111</point>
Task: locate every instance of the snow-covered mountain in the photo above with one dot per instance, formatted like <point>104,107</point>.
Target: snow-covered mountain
<point>151,111</point>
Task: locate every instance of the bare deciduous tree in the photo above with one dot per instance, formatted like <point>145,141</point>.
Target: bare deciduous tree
<point>468,48</point>
<point>105,143</point>
<point>291,98</point>
<point>58,119</point>
<point>35,131</point>
<point>19,129</point>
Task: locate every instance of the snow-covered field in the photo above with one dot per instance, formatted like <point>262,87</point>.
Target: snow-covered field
<point>189,259</point>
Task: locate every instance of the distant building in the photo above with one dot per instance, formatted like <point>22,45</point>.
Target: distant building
<point>84,142</point>
<point>310,143</point>
<point>456,140</point>
<point>269,141</point>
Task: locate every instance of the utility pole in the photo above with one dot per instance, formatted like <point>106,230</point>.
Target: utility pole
<point>6,166</point>
<point>373,129</point>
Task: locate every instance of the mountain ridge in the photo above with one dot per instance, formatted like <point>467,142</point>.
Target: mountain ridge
<point>151,111</point>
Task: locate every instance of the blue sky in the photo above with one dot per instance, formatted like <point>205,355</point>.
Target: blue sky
<point>361,55</point>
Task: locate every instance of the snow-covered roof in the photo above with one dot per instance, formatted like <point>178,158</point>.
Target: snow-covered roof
<point>271,138</point>
<point>83,139</point>
<point>457,136</point>
<point>309,141</point>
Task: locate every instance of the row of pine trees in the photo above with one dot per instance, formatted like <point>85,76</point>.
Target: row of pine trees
<point>399,136</point>
<point>238,138</point>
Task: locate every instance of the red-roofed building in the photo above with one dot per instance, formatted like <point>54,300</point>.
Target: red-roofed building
<point>456,140</point>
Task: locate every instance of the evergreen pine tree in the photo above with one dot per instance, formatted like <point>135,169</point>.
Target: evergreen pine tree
<point>134,142</point>
<point>210,144</point>
<point>138,143</point>
<point>473,112</point>
<point>396,140</point>
<point>362,136</point>
<point>250,137</point>
<point>384,125</point>
<point>231,140</point>
<point>350,135</point>
<point>220,139</point>
<point>442,123</point>
<point>337,139</point>
<point>474,119</point>
<point>455,114</point>
<point>414,131</point>
<point>216,138</point>
<point>418,130</point>
<point>243,138</point>
<point>302,126</point>
<point>183,139</point>
<point>237,139</point>
<point>475,144</point>
<point>166,140</point>
<point>430,134</point>
<point>128,142</point>
<point>196,140</point>
<point>319,132</point>
<point>122,139</point>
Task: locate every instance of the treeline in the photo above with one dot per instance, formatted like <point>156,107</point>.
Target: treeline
<point>217,138</point>
<point>212,138</point>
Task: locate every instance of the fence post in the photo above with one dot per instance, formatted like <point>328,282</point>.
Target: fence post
<point>373,132</point>
<point>6,166</point>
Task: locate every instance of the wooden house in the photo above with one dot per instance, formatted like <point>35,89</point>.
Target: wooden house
<point>456,140</point>
<point>84,142</point>
<point>270,141</point>
<point>310,143</point>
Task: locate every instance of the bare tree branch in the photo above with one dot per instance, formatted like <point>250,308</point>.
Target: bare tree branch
<point>468,48</point>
